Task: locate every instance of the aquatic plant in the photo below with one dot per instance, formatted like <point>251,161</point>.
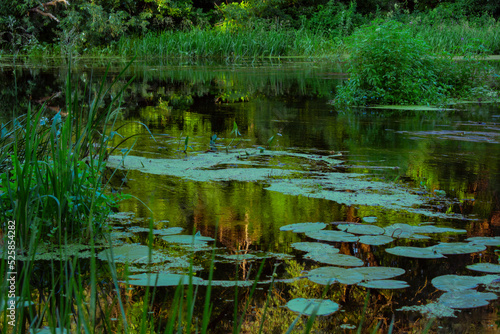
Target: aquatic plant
<point>52,181</point>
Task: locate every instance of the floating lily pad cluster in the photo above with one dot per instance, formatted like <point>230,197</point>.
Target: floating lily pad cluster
<point>459,294</point>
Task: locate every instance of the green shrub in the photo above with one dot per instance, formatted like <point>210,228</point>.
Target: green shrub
<point>389,66</point>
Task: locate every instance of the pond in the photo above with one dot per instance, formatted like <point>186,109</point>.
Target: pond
<point>254,156</point>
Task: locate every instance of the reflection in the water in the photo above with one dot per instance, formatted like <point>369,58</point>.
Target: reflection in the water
<point>449,158</point>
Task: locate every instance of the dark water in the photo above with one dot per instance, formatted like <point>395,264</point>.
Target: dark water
<point>454,151</point>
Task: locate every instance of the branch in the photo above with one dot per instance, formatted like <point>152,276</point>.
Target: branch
<point>45,6</point>
<point>36,10</point>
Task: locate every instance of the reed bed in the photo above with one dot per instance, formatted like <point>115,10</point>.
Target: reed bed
<point>215,43</point>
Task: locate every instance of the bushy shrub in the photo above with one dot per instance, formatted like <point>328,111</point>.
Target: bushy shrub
<point>389,66</point>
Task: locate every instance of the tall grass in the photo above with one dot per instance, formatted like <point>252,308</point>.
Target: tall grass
<point>217,43</point>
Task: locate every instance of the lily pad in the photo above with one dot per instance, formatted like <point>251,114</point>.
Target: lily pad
<point>485,267</point>
<point>375,240</point>
<point>369,219</point>
<point>132,253</point>
<point>337,259</point>
<point>308,306</point>
<point>487,241</point>
<point>330,275</point>
<point>399,230</point>
<point>385,284</point>
<point>378,273</point>
<point>187,239</point>
<point>428,229</point>
<point>465,299</point>
<point>313,247</point>
<point>415,252</point>
<point>303,227</point>
<point>458,248</point>
<point>168,231</point>
<point>459,283</point>
<point>334,236</point>
<point>361,229</point>
<point>161,279</point>
<point>239,257</point>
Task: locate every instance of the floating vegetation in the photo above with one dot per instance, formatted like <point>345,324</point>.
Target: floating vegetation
<point>239,257</point>
<point>196,240</point>
<point>465,299</point>
<point>331,275</point>
<point>333,236</point>
<point>369,220</point>
<point>132,253</point>
<point>337,259</point>
<point>485,267</point>
<point>310,306</point>
<point>253,165</point>
<point>303,227</point>
<point>361,229</point>
<point>487,241</point>
<point>315,247</point>
<point>161,279</point>
<point>375,240</point>
<point>460,283</point>
<point>378,273</point>
<point>431,310</point>
<point>385,284</point>
<point>457,248</point>
<point>415,252</point>
<point>401,230</point>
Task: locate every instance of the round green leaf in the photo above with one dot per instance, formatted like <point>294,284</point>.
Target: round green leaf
<point>466,299</point>
<point>312,247</point>
<point>161,279</point>
<point>378,273</point>
<point>454,282</point>
<point>333,236</point>
<point>303,227</point>
<point>337,259</point>
<point>375,240</point>
<point>361,229</point>
<point>331,275</point>
<point>308,306</point>
<point>487,241</point>
<point>458,248</point>
<point>415,252</point>
<point>485,267</point>
<point>385,284</point>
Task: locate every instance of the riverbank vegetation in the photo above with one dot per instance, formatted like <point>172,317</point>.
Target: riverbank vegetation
<point>253,28</point>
